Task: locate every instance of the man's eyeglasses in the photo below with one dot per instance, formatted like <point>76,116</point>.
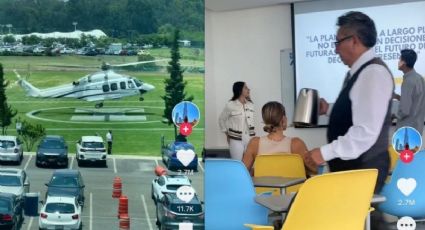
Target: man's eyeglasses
<point>338,42</point>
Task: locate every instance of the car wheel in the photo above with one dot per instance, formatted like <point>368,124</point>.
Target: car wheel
<point>79,163</point>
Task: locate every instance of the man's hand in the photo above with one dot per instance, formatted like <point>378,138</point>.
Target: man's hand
<point>314,157</point>
<point>323,106</point>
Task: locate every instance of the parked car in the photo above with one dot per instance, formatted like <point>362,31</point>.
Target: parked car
<point>167,184</point>
<point>169,154</point>
<point>60,213</point>
<point>92,149</point>
<point>14,181</point>
<point>52,150</point>
<point>171,211</point>
<point>11,149</point>
<point>66,182</point>
<point>10,211</point>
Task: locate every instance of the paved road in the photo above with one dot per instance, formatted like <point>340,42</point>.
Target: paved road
<point>100,210</point>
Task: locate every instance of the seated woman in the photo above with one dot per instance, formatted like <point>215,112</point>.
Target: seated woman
<point>275,123</point>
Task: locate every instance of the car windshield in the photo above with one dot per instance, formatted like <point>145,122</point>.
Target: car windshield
<point>92,145</point>
<point>7,180</point>
<point>60,208</point>
<point>52,144</point>
<point>173,186</point>
<point>4,206</point>
<point>64,181</point>
<point>7,144</point>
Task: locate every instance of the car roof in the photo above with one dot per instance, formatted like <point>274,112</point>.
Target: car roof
<point>174,199</point>
<point>91,139</point>
<point>8,138</point>
<point>11,171</point>
<point>53,137</point>
<point>66,172</point>
<point>60,199</point>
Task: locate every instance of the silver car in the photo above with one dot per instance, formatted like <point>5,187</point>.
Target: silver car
<point>14,181</point>
<point>11,149</point>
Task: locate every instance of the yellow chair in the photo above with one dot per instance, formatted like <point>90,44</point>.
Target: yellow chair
<point>279,164</point>
<point>332,201</point>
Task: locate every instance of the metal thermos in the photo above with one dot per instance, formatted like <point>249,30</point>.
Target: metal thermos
<point>307,108</point>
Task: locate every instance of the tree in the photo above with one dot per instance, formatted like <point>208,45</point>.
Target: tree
<point>6,111</point>
<point>31,134</point>
<point>174,86</point>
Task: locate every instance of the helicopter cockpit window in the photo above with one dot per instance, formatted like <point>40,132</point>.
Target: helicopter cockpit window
<point>105,88</point>
<point>138,83</point>
<point>114,86</point>
<point>122,85</point>
<point>130,84</point>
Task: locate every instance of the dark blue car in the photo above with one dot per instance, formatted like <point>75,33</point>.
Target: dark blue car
<point>170,151</point>
<point>66,182</point>
<point>52,150</point>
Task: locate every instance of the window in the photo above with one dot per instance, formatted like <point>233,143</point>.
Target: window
<point>105,88</point>
<point>114,86</point>
<point>60,207</point>
<point>122,85</point>
<point>130,84</point>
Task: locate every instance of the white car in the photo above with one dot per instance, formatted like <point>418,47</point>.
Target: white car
<point>14,181</point>
<point>11,149</point>
<point>91,149</point>
<point>168,184</point>
<point>60,213</point>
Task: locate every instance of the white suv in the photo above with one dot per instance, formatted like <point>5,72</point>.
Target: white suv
<point>91,149</point>
<point>11,149</point>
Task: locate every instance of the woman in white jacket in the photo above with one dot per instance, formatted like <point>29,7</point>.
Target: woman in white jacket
<point>237,120</point>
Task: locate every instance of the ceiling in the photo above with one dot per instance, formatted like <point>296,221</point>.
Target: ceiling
<point>227,5</point>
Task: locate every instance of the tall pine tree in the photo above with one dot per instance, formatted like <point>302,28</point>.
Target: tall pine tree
<point>6,111</point>
<point>174,86</point>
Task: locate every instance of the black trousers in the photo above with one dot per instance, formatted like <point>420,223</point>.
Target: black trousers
<point>109,147</point>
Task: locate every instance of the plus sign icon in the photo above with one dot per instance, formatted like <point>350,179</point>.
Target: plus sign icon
<point>185,129</point>
<point>406,156</point>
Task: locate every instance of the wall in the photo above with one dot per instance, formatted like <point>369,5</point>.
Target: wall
<point>243,45</point>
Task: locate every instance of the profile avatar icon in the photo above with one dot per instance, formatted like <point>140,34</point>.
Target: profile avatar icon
<point>407,138</point>
<point>186,112</point>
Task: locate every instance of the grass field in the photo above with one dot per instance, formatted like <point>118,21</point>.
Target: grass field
<point>133,138</point>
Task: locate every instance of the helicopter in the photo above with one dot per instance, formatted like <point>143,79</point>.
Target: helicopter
<point>96,87</point>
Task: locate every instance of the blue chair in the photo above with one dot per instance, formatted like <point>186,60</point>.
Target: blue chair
<point>397,203</point>
<point>229,196</point>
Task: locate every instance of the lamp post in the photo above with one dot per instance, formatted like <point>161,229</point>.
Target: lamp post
<point>75,25</point>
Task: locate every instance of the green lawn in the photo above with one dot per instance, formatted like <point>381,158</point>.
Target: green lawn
<point>129,137</point>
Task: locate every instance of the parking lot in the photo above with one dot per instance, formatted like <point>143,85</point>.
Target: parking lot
<point>100,209</point>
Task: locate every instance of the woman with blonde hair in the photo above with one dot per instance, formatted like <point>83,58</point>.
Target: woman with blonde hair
<point>275,122</point>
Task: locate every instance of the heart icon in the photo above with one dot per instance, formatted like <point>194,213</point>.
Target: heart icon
<point>406,186</point>
<point>185,156</point>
